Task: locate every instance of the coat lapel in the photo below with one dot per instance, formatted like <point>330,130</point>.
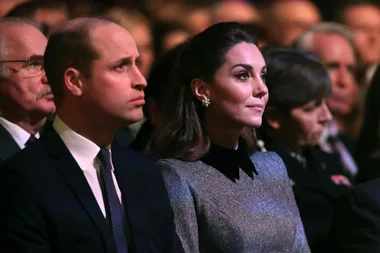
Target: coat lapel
<point>70,170</point>
<point>135,207</point>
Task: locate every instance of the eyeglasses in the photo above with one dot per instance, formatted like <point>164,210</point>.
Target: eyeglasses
<point>33,65</point>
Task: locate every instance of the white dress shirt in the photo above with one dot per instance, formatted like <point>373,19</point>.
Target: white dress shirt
<point>18,133</point>
<point>85,153</point>
<point>346,158</point>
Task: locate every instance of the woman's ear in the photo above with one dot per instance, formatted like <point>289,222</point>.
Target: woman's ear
<point>201,89</point>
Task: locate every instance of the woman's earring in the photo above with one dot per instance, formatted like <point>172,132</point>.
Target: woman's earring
<point>205,102</point>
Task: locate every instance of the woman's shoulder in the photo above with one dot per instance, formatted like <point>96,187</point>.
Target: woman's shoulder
<point>269,163</point>
<point>180,167</point>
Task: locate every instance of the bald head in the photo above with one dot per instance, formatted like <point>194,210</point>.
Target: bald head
<point>286,20</point>
<point>235,11</point>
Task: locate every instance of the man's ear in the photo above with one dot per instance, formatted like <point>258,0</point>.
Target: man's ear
<point>201,89</point>
<point>73,82</point>
<point>274,117</point>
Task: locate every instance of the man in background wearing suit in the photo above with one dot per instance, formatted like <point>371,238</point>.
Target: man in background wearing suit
<point>334,45</point>
<point>72,190</point>
<point>25,96</point>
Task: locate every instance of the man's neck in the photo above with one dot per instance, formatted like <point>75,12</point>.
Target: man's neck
<point>100,132</point>
<point>31,124</point>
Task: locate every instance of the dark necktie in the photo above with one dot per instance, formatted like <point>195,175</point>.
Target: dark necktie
<point>31,139</point>
<point>115,213</point>
<point>347,161</point>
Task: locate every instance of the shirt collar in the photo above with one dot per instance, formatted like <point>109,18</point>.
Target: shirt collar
<point>229,161</point>
<point>82,149</point>
<point>18,133</point>
<point>330,130</point>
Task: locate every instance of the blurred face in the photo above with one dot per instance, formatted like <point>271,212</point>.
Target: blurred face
<point>238,11</point>
<point>23,87</point>
<point>290,19</point>
<point>115,88</point>
<point>143,37</point>
<point>307,122</point>
<point>338,56</point>
<point>364,20</point>
<point>238,95</point>
<point>197,20</point>
<point>53,18</point>
<point>173,39</point>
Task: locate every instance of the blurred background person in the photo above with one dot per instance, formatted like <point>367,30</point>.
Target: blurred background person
<point>7,5</point>
<point>51,14</point>
<point>363,18</point>
<point>286,20</point>
<point>167,36</point>
<point>334,45</point>
<point>293,122</point>
<point>234,11</point>
<point>160,76</point>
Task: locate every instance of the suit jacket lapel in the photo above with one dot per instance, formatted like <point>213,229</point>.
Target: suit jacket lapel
<point>135,209</point>
<point>8,145</point>
<point>70,170</point>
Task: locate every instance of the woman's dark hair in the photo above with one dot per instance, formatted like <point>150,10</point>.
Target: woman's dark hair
<point>183,135</point>
<point>294,78</point>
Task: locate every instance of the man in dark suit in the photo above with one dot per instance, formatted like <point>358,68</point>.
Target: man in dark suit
<point>72,190</point>
<point>25,97</point>
<point>368,148</point>
<point>356,223</point>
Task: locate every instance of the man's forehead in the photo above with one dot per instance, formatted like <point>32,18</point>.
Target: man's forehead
<point>112,39</point>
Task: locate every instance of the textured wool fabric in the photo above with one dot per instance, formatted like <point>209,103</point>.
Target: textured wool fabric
<point>251,215</point>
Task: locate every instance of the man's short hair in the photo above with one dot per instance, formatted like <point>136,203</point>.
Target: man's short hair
<point>305,40</point>
<point>70,47</point>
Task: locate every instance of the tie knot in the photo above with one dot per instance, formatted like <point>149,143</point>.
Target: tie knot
<point>104,156</point>
<point>31,139</point>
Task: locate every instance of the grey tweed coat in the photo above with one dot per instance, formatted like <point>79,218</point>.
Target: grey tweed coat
<point>213,214</point>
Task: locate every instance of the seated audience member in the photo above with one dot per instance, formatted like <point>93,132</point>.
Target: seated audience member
<point>368,146</point>
<point>158,80</point>
<point>235,11</point>
<point>195,17</point>
<point>25,95</point>
<point>167,36</point>
<point>294,120</point>
<point>356,223</point>
<point>286,20</point>
<point>73,190</point>
<point>51,14</point>
<point>334,45</point>
<point>225,196</point>
<point>7,5</point>
<point>363,19</point>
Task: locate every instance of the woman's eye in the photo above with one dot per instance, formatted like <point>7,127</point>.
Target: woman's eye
<point>264,77</point>
<point>243,75</point>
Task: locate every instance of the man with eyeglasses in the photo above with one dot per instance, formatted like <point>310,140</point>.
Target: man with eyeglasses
<point>25,96</point>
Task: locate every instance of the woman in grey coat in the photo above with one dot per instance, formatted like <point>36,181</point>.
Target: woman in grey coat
<point>225,197</point>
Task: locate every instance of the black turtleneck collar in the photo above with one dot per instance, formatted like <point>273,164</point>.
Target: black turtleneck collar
<point>228,161</point>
